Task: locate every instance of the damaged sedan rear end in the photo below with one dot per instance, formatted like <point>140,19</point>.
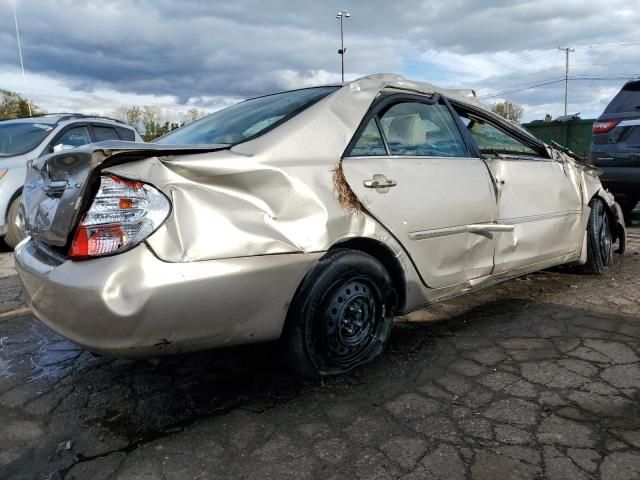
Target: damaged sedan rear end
<point>311,216</point>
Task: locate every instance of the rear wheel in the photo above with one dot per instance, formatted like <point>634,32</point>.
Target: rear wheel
<point>599,239</point>
<point>341,315</point>
<point>15,233</point>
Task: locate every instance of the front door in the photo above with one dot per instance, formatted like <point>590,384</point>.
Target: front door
<point>538,196</point>
<point>412,171</point>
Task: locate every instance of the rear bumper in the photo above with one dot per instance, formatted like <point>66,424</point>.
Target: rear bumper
<point>135,305</point>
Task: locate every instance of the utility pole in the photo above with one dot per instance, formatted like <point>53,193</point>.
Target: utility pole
<point>15,18</point>
<point>342,14</point>
<point>566,50</point>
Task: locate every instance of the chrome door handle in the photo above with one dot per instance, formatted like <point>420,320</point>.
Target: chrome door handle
<point>379,182</point>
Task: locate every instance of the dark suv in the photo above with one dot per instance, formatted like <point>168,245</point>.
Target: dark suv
<point>616,146</point>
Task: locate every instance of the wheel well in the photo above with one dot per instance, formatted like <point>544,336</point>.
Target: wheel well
<point>386,257</point>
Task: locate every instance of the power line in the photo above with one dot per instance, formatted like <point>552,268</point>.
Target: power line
<point>530,87</point>
<point>551,82</point>
<point>522,60</point>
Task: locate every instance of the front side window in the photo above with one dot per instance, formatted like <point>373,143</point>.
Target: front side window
<point>75,137</point>
<point>421,129</point>
<point>22,137</point>
<point>491,140</point>
<point>246,119</point>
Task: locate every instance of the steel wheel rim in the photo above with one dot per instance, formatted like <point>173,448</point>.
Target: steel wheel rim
<point>351,323</point>
<point>604,238</point>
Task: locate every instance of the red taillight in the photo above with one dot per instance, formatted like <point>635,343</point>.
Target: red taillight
<point>122,215</point>
<point>604,127</point>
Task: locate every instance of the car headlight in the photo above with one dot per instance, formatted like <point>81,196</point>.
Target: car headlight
<point>123,214</point>
<point>3,172</point>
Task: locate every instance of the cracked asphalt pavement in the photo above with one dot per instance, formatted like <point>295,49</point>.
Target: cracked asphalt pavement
<point>538,377</point>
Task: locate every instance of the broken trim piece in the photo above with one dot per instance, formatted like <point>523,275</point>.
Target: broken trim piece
<point>483,229</point>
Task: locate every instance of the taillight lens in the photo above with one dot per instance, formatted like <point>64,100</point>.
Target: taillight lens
<point>604,127</point>
<point>122,215</point>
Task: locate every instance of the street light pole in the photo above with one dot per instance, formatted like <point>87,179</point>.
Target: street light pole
<point>15,18</point>
<point>342,14</point>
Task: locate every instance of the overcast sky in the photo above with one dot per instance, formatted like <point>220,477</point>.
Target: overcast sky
<point>94,56</point>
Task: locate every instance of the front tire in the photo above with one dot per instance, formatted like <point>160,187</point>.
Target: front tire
<point>341,315</point>
<point>15,233</point>
<point>599,239</point>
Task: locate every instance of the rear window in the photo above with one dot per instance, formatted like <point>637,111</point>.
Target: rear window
<point>246,119</point>
<point>627,100</point>
<point>20,138</point>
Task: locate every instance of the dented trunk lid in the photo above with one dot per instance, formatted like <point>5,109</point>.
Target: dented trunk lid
<point>58,184</point>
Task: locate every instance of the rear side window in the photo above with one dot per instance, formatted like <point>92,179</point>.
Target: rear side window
<point>370,142</point>
<point>627,100</point>
<point>105,133</point>
<point>75,137</point>
<point>421,129</point>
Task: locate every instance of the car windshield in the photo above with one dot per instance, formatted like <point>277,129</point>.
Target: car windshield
<point>20,138</point>
<point>246,119</point>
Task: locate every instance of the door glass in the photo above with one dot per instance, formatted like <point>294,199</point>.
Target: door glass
<point>370,142</point>
<point>420,129</point>
<point>126,134</point>
<point>105,133</point>
<point>491,140</point>
<point>75,137</point>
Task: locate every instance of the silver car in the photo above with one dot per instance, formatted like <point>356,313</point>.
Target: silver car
<point>311,216</point>
<point>24,139</point>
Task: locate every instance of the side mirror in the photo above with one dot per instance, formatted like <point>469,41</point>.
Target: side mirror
<point>61,146</point>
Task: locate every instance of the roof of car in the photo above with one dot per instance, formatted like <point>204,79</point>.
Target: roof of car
<point>55,118</point>
<point>393,81</point>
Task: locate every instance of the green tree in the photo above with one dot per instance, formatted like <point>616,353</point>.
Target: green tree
<point>510,111</point>
<point>131,115</point>
<point>192,115</point>
<point>149,119</point>
<point>14,105</point>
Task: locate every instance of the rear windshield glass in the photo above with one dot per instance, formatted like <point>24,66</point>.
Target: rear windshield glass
<point>246,119</point>
<point>627,100</point>
<point>19,138</point>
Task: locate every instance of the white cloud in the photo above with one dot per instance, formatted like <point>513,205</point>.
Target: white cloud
<point>90,55</point>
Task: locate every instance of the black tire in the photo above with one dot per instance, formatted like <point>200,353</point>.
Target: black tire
<point>14,233</point>
<point>599,239</point>
<point>341,315</point>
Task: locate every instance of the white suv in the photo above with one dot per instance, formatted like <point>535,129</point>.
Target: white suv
<point>24,139</point>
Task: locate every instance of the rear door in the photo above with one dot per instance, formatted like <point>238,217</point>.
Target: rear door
<point>411,168</point>
<point>539,197</point>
